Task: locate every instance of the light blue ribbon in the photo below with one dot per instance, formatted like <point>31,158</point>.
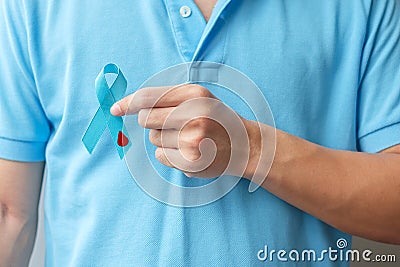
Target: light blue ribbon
<point>107,96</point>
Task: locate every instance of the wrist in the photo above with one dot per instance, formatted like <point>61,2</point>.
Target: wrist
<point>254,133</point>
<point>291,155</point>
<point>269,152</point>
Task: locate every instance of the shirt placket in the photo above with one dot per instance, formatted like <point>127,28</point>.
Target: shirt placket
<point>192,33</point>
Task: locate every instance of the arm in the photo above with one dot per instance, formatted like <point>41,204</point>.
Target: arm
<point>20,185</point>
<point>357,193</point>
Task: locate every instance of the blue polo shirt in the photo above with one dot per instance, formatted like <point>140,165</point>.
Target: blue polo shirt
<point>330,71</point>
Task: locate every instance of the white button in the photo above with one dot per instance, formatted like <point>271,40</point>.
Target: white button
<point>185,11</point>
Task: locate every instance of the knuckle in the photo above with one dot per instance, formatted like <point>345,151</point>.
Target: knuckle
<point>142,98</point>
<point>200,91</point>
<point>192,155</point>
<point>144,101</point>
<point>196,140</point>
<point>124,104</point>
<point>143,93</point>
<point>143,117</point>
<point>154,137</point>
<point>201,124</point>
<point>159,154</point>
<point>193,140</point>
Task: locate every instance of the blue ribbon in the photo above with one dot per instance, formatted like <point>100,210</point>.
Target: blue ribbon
<point>107,96</point>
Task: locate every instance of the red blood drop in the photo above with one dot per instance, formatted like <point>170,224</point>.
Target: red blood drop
<point>122,139</point>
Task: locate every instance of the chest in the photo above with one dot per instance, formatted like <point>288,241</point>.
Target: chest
<point>206,7</point>
<point>300,59</point>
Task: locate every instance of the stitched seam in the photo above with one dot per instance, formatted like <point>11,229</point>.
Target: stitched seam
<point>378,130</point>
<point>225,41</point>
<point>177,42</point>
<point>22,141</point>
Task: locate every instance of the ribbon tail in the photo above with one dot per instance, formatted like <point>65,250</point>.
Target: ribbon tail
<point>94,131</point>
<point>122,150</point>
<point>115,126</point>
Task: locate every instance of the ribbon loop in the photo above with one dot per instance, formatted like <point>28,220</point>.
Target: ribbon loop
<point>107,96</point>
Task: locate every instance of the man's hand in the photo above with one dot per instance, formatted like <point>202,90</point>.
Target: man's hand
<point>193,130</point>
<point>341,188</point>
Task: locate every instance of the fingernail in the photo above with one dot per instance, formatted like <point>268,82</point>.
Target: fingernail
<point>116,110</point>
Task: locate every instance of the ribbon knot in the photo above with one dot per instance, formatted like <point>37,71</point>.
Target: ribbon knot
<point>107,96</point>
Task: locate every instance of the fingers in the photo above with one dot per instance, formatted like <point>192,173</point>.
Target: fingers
<point>178,145</point>
<point>155,118</point>
<point>151,97</point>
<point>164,138</point>
<point>142,99</point>
<point>162,158</point>
<point>179,121</point>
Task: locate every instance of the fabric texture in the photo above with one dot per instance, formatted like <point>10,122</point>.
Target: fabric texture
<point>329,69</point>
